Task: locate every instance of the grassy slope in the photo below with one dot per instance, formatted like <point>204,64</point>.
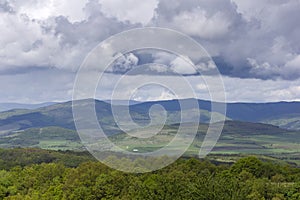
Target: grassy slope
<point>47,138</point>
<point>51,128</point>
<point>237,139</point>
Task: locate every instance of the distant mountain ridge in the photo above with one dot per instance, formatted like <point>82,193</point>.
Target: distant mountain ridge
<point>283,114</point>
<point>11,106</point>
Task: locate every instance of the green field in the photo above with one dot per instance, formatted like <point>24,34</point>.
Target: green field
<point>54,138</point>
<point>237,140</point>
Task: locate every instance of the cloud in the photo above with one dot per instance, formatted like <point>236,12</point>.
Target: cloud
<point>124,63</point>
<point>255,44</point>
<point>162,57</point>
<point>23,43</point>
<point>159,62</point>
<point>237,30</point>
<point>202,19</point>
<point>236,89</point>
<point>134,11</point>
<point>197,23</point>
<point>29,41</point>
<point>41,10</point>
<point>152,93</point>
<point>272,40</point>
<point>183,65</point>
<point>257,90</point>
<point>5,7</point>
<point>290,70</point>
<point>292,67</point>
<point>159,68</point>
<point>51,34</point>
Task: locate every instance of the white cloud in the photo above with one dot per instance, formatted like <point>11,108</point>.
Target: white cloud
<point>124,63</point>
<point>290,70</point>
<point>183,65</point>
<point>135,11</point>
<point>29,40</point>
<point>23,43</point>
<point>41,10</point>
<point>152,93</point>
<point>257,90</point>
<point>202,19</point>
<point>206,66</point>
<point>198,23</point>
<point>159,68</point>
<point>163,57</point>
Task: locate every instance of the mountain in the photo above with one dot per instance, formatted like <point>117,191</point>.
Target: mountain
<point>61,115</point>
<point>283,114</point>
<point>11,106</point>
<point>52,127</point>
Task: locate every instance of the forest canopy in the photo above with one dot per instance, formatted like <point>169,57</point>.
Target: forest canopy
<point>44,174</point>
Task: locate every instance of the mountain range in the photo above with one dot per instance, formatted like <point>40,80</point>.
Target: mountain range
<point>263,128</point>
<point>283,114</point>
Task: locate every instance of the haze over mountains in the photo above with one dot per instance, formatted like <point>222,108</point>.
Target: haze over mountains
<point>11,106</point>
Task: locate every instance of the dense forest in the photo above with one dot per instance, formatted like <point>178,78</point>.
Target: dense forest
<point>43,174</point>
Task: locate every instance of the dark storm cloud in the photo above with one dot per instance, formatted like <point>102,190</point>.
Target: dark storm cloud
<point>265,45</point>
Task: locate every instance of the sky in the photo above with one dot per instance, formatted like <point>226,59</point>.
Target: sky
<point>255,45</point>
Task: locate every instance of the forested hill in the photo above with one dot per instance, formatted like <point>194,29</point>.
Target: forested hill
<point>54,178</point>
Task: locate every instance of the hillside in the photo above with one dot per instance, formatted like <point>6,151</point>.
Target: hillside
<point>237,138</point>
<point>52,127</point>
<point>61,115</point>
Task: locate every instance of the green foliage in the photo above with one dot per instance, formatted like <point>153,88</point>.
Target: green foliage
<point>248,179</point>
<point>250,164</point>
<point>10,158</point>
